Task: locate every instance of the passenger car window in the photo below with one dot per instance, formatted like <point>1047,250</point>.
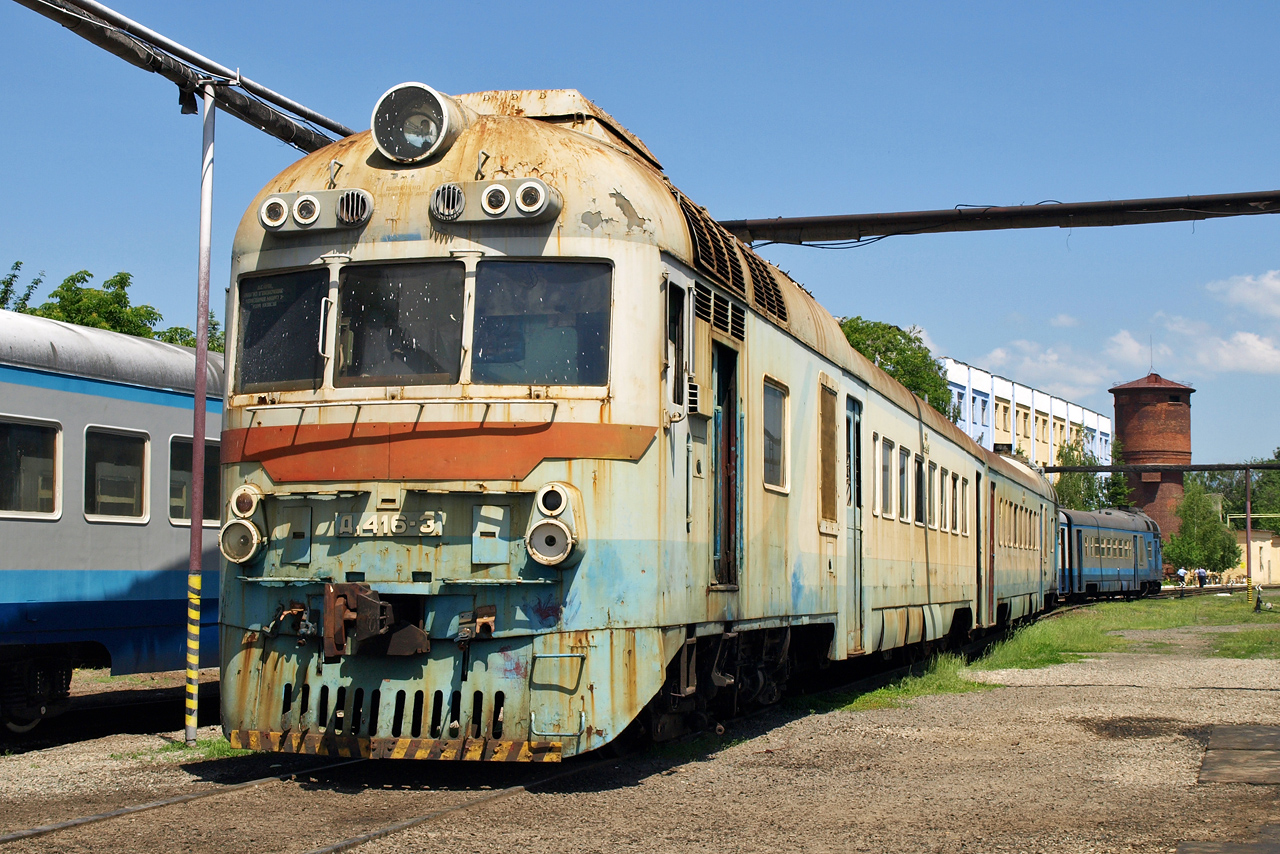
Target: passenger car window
<point>886,479</point>
<point>775,413</point>
<point>542,323</point>
<point>400,324</point>
<point>180,480</point>
<point>279,341</point>
<point>114,474</point>
<point>28,468</point>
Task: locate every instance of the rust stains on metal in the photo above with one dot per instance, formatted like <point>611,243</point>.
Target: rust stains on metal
<point>468,749</point>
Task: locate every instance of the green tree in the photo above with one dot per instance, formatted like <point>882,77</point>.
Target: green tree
<point>107,307</point>
<point>1202,539</point>
<point>1078,490</point>
<point>902,354</point>
<point>1231,485</point>
<point>1116,491</point>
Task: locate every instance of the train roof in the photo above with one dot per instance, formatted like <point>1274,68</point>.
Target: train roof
<point>40,344</point>
<point>1119,518</point>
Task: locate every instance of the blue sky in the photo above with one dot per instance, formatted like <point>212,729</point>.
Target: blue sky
<point>758,109</point>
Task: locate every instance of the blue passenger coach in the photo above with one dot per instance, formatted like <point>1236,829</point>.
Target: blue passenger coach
<point>95,488</point>
<point>1113,552</point>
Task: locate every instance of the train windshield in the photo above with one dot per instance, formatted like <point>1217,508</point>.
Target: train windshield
<point>400,324</point>
<point>541,323</point>
<point>279,345</point>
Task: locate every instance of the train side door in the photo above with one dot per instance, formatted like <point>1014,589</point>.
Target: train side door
<point>1064,561</point>
<point>988,600</point>
<point>853,519</point>
<point>728,480</point>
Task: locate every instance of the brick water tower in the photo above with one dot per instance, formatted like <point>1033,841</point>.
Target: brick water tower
<point>1153,425</point>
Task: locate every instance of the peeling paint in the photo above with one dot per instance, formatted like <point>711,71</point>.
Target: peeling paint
<point>634,220</point>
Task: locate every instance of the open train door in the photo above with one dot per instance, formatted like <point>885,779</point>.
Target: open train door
<point>853,521</point>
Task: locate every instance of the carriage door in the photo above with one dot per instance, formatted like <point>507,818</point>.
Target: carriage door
<point>728,480</point>
<point>1137,550</point>
<point>853,520</point>
<point>1064,563</point>
<point>986,592</point>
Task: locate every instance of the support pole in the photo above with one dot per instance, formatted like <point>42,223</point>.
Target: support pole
<point>196,565</point>
<point>1248,536</point>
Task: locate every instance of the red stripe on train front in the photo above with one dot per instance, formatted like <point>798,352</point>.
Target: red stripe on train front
<point>417,451</point>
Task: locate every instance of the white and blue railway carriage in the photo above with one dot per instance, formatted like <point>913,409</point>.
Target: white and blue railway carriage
<point>1111,552</point>
<point>95,488</point>
<point>522,450</point>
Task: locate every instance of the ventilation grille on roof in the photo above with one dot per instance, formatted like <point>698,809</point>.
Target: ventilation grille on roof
<point>702,301</point>
<point>719,311</point>
<point>714,252</point>
<point>354,207</point>
<point>764,288</point>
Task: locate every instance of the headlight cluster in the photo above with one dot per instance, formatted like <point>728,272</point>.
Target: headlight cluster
<point>511,200</point>
<point>317,210</point>
<point>240,538</point>
<point>412,121</point>
<point>556,525</point>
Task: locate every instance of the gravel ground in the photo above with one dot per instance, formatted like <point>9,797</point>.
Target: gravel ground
<point>1097,756</point>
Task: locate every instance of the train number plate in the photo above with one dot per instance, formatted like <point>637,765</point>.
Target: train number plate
<point>428,524</point>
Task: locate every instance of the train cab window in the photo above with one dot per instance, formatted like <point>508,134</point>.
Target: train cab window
<point>115,475</point>
<point>904,486</point>
<point>279,342</point>
<point>675,341</point>
<point>400,324</point>
<point>180,481</point>
<point>29,468</point>
<point>964,506</point>
<point>933,504</point>
<point>775,435</point>
<point>886,479</point>
<point>921,500</point>
<point>542,323</point>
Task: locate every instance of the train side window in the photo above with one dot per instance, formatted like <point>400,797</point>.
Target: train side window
<point>904,485</point>
<point>933,503</point>
<point>115,475</point>
<point>886,479</point>
<point>278,345</point>
<point>29,468</point>
<point>875,503</point>
<point>964,506</point>
<point>180,480</point>
<point>853,452</point>
<point>675,341</point>
<point>921,500</point>
<point>942,501</point>
<point>955,509</point>
<point>775,435</point>
<point>828,489</point>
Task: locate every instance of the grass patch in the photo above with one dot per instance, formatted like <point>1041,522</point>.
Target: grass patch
<point>205,749</point>
<point>1056,641</point>
<point>1247,643</point>
<point>945,675</point>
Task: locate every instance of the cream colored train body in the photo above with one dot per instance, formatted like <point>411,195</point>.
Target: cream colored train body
<point>508,476</point>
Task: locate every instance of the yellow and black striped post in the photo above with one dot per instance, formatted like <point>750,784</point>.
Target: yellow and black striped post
<point>196,564</point>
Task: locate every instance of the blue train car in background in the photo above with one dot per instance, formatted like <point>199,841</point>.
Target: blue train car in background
<point>95,497</point>
<point>1111,552</point>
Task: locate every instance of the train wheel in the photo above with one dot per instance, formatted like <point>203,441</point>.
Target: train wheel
<point>19,726</point>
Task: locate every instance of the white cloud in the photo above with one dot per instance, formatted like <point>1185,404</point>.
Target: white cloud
<point>1243,352</point>
<point>1130,353</point>
<point>1058,369</point>
<point>1259,294</point>
<point>1063,320</point>
<point>924,337</point>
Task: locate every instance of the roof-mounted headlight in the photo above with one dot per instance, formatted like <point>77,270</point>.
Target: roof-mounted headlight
<point>412,121</point>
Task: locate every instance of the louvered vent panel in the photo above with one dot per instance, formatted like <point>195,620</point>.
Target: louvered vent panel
<point>737,321</point>
<point>714,252</point>
<point>720,314</point>
<point>702,301</point>
<point>764,287</point>
<point>692,397</point>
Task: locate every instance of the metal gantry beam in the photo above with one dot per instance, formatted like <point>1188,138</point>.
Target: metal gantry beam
<point>852,228</point>
<point>190,78</point>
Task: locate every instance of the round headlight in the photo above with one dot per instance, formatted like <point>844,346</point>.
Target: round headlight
<point>412,121</point>
<point>244,500</point>
<point>549,542</point>
<point>306,210</point>
<point>273,213</point>
<point>552,499</point>
<point>495,199</point>
<point>531,198</point>
<point>239,540</point>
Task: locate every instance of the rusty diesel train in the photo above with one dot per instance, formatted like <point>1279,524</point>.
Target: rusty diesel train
<point>523,451</point>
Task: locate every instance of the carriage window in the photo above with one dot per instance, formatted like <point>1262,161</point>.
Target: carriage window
<point>114,474</point>
<point>279,345</point>
<point>775,438</point>
<point>964,506</point>
<point>875,503</point>
<point>180,481</point>
<point>920,493</point>
<point>541,323</point>
<point>942,501</point>
<point>886,479</point>
<point>28,468</point>
<point>675,341</point>
<point>904,490</point>
<point>933,516</point>
<point>955,509</point>
<point>400,324</point>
